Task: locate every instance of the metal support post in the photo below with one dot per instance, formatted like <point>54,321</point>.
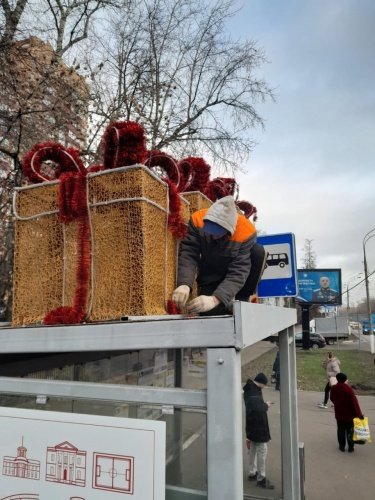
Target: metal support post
<point>305,326</point>
<point>289,416</point>
<point>224,425</point>
<point>177,421</point>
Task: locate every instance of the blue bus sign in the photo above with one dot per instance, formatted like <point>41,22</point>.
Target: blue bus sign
<point>280,274</point>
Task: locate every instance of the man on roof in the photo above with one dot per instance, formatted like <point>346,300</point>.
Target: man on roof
<point>221,250</point>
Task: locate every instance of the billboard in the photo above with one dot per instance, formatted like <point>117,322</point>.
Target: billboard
<point>319,286</point>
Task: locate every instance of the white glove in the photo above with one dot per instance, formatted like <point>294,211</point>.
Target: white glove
<point>180,295</point>
<point>202,303</point>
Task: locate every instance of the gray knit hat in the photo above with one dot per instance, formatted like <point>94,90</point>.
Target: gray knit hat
<point>224,213</point>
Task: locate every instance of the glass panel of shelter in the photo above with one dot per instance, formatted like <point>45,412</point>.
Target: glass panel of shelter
<point>186,468</point>
<point>186,459</point>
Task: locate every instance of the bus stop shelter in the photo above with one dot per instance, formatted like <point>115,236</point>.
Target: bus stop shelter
<point>223,338</point>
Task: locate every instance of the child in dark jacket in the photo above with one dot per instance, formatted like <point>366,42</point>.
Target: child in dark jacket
<point>257,430</point>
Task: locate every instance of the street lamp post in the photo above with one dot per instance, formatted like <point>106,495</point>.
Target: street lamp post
<point>367,237</point>
<point>348,305</point>
<point>347,290</point>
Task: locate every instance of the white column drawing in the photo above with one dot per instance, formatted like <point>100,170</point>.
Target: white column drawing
<point>66,464</point>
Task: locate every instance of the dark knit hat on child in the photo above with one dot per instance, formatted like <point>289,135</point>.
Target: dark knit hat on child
<point>261,379</point>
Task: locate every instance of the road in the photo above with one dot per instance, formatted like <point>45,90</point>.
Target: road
<point>363,341</point>
<point>329,473</point>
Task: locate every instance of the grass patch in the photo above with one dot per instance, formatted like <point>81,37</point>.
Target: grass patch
<point>358,365</point>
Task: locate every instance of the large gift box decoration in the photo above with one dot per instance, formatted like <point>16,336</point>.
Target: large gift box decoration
<point>101,243</point>
<point>123,244</point>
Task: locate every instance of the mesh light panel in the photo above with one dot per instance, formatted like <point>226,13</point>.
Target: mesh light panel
<point>133,254</point>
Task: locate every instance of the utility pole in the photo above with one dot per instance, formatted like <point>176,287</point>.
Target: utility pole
<point>367,237</point>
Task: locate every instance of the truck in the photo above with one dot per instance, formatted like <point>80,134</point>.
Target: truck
<point>366,325</point>
<point>332,328</point>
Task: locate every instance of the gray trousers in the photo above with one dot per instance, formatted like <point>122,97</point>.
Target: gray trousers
<point>257,459</point>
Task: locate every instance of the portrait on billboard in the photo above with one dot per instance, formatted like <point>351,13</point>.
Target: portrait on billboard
<point>319,286</point>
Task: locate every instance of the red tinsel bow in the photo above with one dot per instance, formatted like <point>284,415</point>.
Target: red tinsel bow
<point>195,173</point>
<point>167,163</point>
<point>220,187</point>
<point>124,144</point>
<point>63,160</point>
<point>247,209</point>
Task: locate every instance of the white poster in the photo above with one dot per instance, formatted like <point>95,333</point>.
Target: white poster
<point>63,456</point>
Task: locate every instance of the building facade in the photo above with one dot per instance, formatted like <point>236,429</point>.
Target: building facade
<point>21,466</point>
<point>66,464</point>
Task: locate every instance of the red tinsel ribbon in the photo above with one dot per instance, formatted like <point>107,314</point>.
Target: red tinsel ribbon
<point>72,196</point>
<point>196,174</point>
<point>77,313</point>
<point>73,206</point>
<point>171,308</point>
<point>174,179</point>
<point>175,221</point>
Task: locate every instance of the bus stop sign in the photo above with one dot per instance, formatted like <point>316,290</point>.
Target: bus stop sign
<point>279,278</point>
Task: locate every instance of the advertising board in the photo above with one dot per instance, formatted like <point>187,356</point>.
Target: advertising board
<point>319,286</point>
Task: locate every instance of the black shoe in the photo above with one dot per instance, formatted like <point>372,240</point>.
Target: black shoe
<point>350,450</point>
<point>264,483</point>
<point>252,477</point>
<point>341,449</point>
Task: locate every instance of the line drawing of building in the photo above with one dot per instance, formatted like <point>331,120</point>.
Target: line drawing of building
<point>113,473</point>
<point>21,466</point>
<point>66,464</point>
<point>22,496</point>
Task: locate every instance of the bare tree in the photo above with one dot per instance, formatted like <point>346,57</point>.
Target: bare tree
<point>10,15</point>
<point>309,257</point>
<point>6,235</point>
<point>64,23</point>
<point>72,18</point>
<point>170,66</point>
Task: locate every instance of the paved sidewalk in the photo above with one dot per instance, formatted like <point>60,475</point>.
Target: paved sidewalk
<point>330,474</point>
<point>256,350</point>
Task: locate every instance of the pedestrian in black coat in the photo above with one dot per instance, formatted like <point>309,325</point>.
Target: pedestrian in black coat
<point>276,371</point>
<point>257,429</point>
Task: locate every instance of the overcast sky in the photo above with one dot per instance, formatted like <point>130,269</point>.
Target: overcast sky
<point>312,172</point>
